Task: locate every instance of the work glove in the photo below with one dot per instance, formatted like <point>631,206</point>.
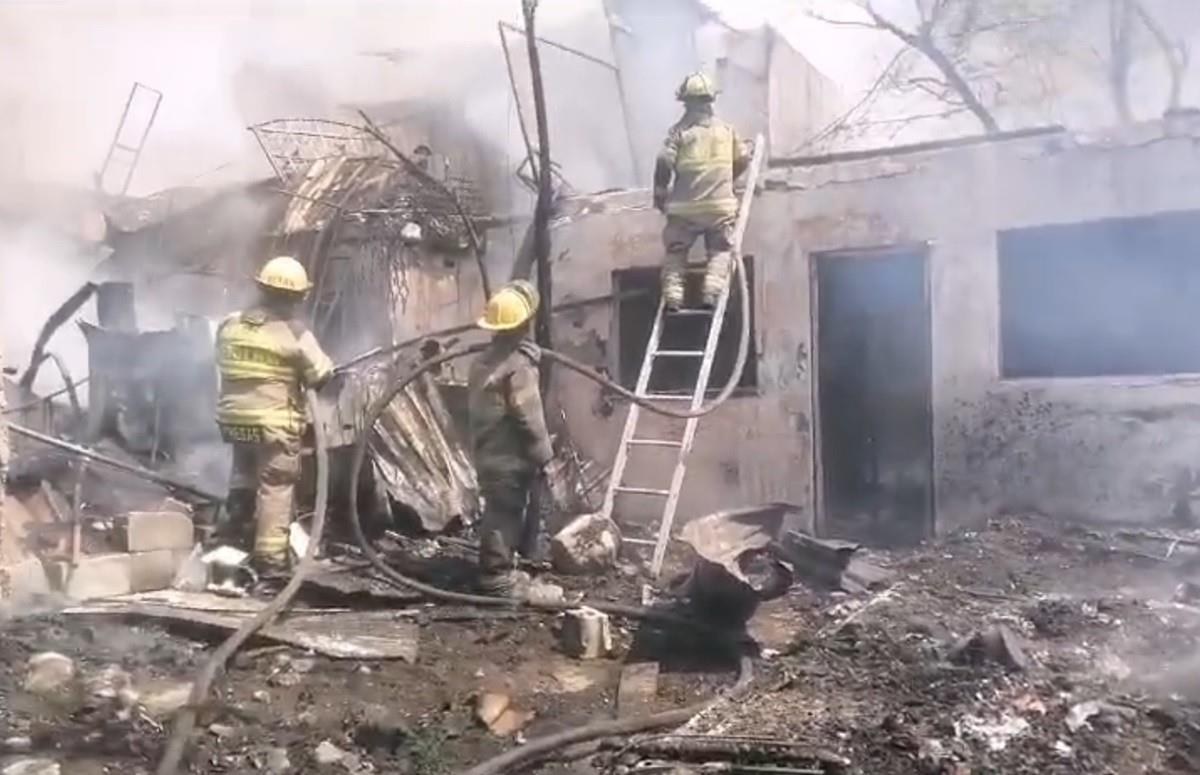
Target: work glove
<point>660,199</point>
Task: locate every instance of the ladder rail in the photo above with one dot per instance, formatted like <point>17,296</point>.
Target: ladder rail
<point>715,328</point>
<point>134,152</point>
<point>631,417</point>
<point>699,390</point>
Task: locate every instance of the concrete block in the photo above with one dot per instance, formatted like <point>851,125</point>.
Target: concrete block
<point>638,688</point>
<point>99,575</point>
<point>27,579</point>
<point>147,531</point>
<point>155,570</point>
<point>587,633</point>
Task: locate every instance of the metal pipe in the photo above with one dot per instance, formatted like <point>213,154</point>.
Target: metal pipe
<point>120,465</point>
<point>512,79</point>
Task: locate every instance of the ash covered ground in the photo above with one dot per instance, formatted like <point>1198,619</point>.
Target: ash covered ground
<point>1107,680</point>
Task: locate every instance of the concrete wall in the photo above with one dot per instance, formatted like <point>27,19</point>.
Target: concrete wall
<point>1101,449</point>
<point>757,447</point>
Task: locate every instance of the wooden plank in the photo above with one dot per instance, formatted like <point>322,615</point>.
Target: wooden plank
<point>338,634</point>
<point>638,689</point>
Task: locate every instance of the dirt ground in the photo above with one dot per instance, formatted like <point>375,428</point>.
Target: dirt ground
<point>865,678</point>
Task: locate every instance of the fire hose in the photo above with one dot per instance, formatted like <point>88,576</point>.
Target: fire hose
<point>185,722</point>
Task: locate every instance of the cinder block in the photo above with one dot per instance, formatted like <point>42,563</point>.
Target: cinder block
<point>27,579</point>
<point>155,570</point>
<point>147,531</point>
<point>100,575</point>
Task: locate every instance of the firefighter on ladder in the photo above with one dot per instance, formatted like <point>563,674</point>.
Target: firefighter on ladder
<point>693,186</point>
<point>510,443</point>
<point>266,358</point>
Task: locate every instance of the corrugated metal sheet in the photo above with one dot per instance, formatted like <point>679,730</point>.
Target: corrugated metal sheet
<point>421,460</point>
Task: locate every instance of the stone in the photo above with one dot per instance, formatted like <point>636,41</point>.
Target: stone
<point>637,689</point>
<point>155,569</point>
<point>587,545</point>
<point>32,767</point>
<point>262,695</point>
<point>147,531</point>
<point>221,730</point>
<point>48,673</point>
<point>112,684</point>
<point>496,711</point>
<point>586,633</point>
<point>328,753</point>
<point>277,761</point>
<point>998,645</point>
<point>163,702</point>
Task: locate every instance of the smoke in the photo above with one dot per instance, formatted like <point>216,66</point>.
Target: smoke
<point>221,70</point>
<point>40,268</point>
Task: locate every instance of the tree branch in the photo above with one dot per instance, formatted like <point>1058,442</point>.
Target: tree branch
<point>1175,53</point>
<point>924,43</point>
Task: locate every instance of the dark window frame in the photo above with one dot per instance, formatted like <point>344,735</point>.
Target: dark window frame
<point>1113,298</point>
<point>638,288</point>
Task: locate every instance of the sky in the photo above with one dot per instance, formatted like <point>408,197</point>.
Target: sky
<point>224,64</point>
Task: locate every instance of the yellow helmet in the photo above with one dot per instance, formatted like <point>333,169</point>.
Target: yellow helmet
<point>527,289</point>
<point>696,86</point>
<point>284,273</point>
<point>508,309</point>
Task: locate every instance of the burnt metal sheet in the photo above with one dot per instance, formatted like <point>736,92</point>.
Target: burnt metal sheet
<point>420,459</point>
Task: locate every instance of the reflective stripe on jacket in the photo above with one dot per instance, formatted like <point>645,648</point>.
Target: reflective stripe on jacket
<point>702,152</point>
<point>265,361</point>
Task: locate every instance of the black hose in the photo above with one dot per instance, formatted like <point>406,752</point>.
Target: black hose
<point>185,721</point>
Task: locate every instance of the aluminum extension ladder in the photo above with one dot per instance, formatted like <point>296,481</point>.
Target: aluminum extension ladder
<point>654,353</point>
<point>125,150</point>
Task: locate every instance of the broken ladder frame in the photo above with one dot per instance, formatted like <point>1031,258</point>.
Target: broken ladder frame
<point>629,436</point>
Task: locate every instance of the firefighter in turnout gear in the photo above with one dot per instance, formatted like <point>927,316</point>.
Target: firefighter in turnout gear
<point>693,185</point>
<point>266,358</point>
<point>510,443</point>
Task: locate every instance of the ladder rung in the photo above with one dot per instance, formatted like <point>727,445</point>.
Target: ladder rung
<point>643,491</point>
<point>666,397</point>
<point>678,353</point>
<point>690,312</point>
<point>655,443</point>
<point>642,541</point>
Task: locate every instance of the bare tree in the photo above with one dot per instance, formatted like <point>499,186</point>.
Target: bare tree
<point>1125,19</point>
<point>967,53</point>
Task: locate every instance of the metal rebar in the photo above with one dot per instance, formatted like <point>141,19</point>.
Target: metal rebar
<point>120,465</point>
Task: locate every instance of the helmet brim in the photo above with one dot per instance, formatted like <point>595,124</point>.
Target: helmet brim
<point>486,326</point>
<point>276,288</point>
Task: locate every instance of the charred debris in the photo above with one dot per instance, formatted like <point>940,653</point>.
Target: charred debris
<point>851,632</point>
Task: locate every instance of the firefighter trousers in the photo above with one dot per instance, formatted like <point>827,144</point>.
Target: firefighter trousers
<point>678,237</point>
<point>505,494</point>
<point>269,469</point>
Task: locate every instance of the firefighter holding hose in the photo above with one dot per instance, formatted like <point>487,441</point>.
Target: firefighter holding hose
<point>509,440</point>
<point>266,358</point>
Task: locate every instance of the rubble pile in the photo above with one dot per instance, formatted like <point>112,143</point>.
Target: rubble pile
<point>1011,650</point>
